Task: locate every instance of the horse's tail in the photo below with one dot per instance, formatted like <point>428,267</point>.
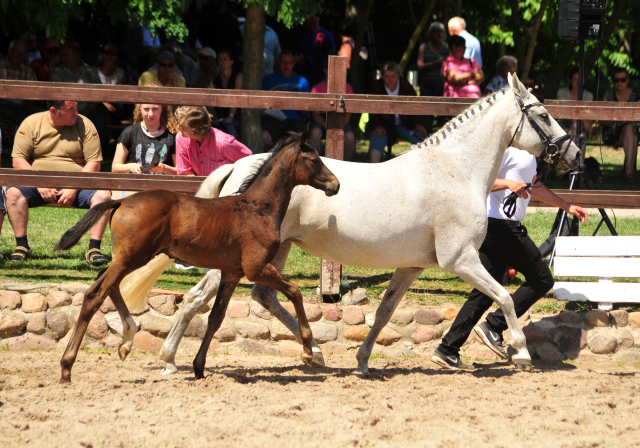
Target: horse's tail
<point>73,235</point>
<point>212,185</point>
<point>136,285</point>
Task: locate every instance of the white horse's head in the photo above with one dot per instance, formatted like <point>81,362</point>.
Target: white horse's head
<point>539,133</point>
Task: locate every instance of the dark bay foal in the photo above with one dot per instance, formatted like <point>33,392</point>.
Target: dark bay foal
<point>238,235</point>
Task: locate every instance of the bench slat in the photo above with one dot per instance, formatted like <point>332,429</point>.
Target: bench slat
<point>597,246</point>
<point>597,267</point>
<point>597,292</point>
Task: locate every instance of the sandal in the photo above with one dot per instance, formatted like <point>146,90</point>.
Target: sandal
<point>20,254</point>
<point>95,258</point>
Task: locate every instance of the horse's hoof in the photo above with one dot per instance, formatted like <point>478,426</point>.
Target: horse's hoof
<point>318,359</point>
<point>64,380</point>
<point>307,360</point>
<point>123,352</point>
<point>523,364</point>
<point>169,369</point>
<point>199,374</point>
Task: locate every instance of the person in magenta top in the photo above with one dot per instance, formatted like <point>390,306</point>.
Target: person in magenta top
<point>462,77</point>
<point>200,148</point>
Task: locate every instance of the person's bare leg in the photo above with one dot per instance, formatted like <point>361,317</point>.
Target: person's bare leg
<point>375,156</point>
<point>99,197</point>
<point>349,146</point>
<point>18,211</point>
<point>629,139</point>
<point>314,139</point>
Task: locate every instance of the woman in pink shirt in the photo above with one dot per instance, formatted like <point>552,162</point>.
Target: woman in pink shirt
<point>200,148</point>
<point>462,77</point>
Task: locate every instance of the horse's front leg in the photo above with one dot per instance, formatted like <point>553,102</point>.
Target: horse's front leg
<point>267,297</point>
<point>193,302</point>
<point>269,276</point>
<point>470,269</point>
<point>228,284</point>
<point>399,284</point>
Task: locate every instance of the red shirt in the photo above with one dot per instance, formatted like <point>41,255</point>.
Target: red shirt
<point>217,150</point>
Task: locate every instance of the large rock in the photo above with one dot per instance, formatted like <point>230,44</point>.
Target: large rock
<point>332,313</point>
<point>107,306</point>
<point>289,348</point>
<point>428,317</point>
<point>77,298</point>
<point>370,319</point>
<point>252,330</point>
<point>548,352</point>
<point>98,327</point>
<point>627,356</point>
<point>112,342</point>
<point>59,324</point>
<point>356,297</point>
<point>73,288</point>
<point>480,352</point>
<point>37,323</point>
<point>225,332</point>
<point>568,339</point>
<point>534,334</point>
<point>352,315</point>
<point>57,299</point>
<point>402,317</point>
<point>114,322</point>
<point>30,342</point>
<point>388,336</point>
<point>10,325</point>
<point>279,332</point>
<point>449,313</point>
<point>568,317</point>
<point>237,309</point>
<point>597,318</point>
<point>602,344</point>
<point>146,342</point>
<point>157,326</point>
<point>424,334</point>
<point>164,304</point>
<point>634,319</point>
<point>10,300</point>
<point>625,339</point>
<point>260,311</point>
<point>250,346</point>
<point>196,328</point>
<point>619,318</point>
<point>324,332</point>
<point>311,310</point>
<point>357,334</point>
<point>33,302</point>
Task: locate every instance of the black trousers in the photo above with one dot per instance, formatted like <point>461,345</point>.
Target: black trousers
<point>506,244</point>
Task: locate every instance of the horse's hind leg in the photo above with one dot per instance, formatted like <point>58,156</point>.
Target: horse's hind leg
<point>193,302</point>
<point>129,327</point>
<point>266,297</point>
<point>399,284</point>
<point>228,284</point>
<point>469,268</point>
<point>93,299</point>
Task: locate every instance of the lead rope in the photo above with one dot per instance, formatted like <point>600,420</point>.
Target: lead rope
<point>509,202</point>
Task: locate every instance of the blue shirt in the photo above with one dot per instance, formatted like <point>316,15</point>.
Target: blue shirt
<point>296,83</point>
<point>473,47</point>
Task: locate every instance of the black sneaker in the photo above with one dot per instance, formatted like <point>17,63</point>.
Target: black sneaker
<point>450,362</point>
<point>492,339</point>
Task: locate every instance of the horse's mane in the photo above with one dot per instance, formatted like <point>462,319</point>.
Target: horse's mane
<point>263,166</point>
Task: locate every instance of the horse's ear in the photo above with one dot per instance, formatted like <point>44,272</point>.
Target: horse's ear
<point>305,134</point>
<point>517,86</point>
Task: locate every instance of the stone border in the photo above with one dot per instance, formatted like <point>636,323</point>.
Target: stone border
<point>41,315</point>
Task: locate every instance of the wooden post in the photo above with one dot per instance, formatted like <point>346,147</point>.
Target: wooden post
<point>331,273</point>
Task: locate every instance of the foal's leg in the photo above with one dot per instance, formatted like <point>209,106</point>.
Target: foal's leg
<point>266,297</point>
<point>193,302</point>
<point>93,299</point>
<point>467,265</point>
<point>227,286</point>
<point>129,327</point>
<point>399,285</point>
<point>269,276</point>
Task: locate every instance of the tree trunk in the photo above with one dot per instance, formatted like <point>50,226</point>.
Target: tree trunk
<point>252,50</point>
<point>560,70</point>
<point>532,41</point>
<point>517,35</point>
<point>416,36</point>
<point>363,22</point>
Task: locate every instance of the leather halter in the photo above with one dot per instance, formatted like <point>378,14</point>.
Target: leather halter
<point>551,152</point>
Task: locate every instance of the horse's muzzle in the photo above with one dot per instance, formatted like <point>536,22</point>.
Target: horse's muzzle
<point>332,190</point>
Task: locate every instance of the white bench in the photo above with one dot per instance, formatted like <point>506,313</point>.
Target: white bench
<point>603,257</point>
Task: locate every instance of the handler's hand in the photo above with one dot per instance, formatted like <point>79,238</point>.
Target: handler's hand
<point>520,189</point>
<point>67,197</point>
<point>49,194</point>
<point>578,212</point>
<point>380,132</point>
<point>421,130</point>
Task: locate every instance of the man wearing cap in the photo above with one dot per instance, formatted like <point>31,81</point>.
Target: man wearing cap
<point>13,67</point>
<point>164,74</point>
<point>207,67</point>
<point>50,59</point>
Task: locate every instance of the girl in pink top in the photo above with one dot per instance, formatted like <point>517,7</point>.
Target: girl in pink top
<point>200,148</point>
<point>462,77</point>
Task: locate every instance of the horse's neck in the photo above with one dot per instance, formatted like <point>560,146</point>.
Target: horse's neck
<point>273,188</point>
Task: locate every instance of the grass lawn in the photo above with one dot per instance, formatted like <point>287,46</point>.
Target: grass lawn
<point>434,286</point>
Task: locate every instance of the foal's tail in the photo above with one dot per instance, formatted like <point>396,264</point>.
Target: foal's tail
<point>212,185</point>
<point>73,235</point>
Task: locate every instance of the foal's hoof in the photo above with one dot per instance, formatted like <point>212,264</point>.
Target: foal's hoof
<point>307,360</point>
<point>522,364</point>
<point>123,352</point>
<point>318,359</point>
<point>64,380</point>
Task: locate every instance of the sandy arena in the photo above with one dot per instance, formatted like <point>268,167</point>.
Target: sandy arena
<point>274,401</point>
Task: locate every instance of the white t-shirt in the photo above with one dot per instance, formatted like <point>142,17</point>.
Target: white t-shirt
<point>394,92</point>
<point>519,166</point>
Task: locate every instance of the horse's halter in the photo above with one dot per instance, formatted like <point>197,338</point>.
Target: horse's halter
<point>551,152</point>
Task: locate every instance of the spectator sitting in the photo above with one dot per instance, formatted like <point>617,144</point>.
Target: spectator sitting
<point>207,67</point>
<point>570,93</point>
<point>431,55</point>
<point>384,130</point>
<point>458,27</point>
<point>504,66</point>
<point>271,47</point>
<point>56,140</point>
<point>164,74</point>
<point>276,123</point>
<point>13,67</point>
<point>462,76</point>
<point>315,45</point>
<point>319,124</point>
<point>228,78</point>
<point>152,134</point>
<point>50,59</point>
<point>200,149</point>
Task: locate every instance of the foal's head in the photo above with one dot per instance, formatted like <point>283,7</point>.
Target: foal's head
<point>308,168</point>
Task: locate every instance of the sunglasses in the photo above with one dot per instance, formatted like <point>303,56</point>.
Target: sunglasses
<point>617,80</point>
<point>169,65</point>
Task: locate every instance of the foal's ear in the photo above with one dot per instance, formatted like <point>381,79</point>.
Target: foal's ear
<point>304,137</point>
<point>517,86</point>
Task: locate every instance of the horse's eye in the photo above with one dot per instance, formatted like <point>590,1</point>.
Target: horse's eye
<point>545,116</point>
<point>316,161</point>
